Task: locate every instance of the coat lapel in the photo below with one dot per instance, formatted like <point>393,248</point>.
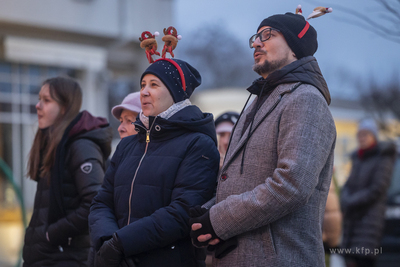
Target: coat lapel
<point>238,141</point>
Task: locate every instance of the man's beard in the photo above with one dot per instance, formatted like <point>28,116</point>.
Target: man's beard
<point>270,66</point>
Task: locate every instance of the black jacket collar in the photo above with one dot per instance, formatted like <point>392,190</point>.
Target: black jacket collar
<point>305,70</point>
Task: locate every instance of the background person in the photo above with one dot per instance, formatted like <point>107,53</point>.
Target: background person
<point>126,113</point>
<point>223,126</point>
<point>140,215</point>
<point>363,196</point>
<point>67,161</point>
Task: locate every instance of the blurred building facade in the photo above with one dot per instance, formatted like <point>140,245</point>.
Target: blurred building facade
<point>93,41</point>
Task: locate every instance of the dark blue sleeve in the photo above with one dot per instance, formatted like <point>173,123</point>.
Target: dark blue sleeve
<point>194,185</point>
<point>102,220</point>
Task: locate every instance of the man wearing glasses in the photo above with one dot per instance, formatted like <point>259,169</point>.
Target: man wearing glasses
<point>274,182</point>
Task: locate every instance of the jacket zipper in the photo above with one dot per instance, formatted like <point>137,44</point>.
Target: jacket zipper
<point>137,169</point>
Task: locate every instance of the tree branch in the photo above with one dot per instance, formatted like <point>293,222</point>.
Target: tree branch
<point>390,33</point>
<point>389,8</point>
<point>394,21</point>
<point>381,32</point>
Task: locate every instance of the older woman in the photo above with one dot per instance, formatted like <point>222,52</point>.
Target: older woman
<point>126,113</point>
<point>140,214</point>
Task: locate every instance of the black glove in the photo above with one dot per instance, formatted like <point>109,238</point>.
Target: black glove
<point>128,262</point>
<point>110,253</point>
<point>225,247</point>
<point>201,215</point>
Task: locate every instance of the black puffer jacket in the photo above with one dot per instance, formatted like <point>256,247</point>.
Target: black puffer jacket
<point>150,186</point>
<point>87,146</point>
<point>363,198</point>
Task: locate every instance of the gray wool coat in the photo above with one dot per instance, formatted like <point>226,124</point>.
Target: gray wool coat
<point>275,207</point>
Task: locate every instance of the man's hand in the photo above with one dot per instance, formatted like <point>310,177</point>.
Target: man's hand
<point>202,233</point>
<point>206,237</point>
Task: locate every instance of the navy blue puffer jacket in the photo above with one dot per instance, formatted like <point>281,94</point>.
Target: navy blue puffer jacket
<point>153,179</point>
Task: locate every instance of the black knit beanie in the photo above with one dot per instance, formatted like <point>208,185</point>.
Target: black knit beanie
<point>229,116</point>
<point>299,34</point>
<point>174,73</point>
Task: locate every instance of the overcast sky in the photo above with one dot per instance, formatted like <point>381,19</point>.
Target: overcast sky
<point>345,49</point>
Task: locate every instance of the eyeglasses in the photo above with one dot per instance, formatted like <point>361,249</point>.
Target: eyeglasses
<point>264,36</point>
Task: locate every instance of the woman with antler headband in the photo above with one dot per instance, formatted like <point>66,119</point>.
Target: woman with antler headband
<point>140,215</point>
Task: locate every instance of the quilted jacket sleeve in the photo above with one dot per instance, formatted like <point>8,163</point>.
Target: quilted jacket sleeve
<point>82,151</point>
<point>102,220</point>
<point>194,185</point>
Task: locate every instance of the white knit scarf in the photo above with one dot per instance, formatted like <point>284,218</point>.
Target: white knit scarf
<point>166,114</point>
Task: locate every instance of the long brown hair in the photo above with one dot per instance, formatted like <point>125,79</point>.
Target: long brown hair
<point>68,94</point>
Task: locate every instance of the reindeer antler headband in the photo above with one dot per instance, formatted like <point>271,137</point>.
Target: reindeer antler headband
<point>149,43</point>
<point>317,12</point>
<point>170,38</point>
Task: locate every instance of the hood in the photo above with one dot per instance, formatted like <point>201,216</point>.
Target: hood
<point>86,123</point>
<point>305,70</point>
<point>96,129</point>
<point>188,119</point>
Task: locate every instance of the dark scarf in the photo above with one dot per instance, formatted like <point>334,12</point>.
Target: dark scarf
<point>366,152</point>
<point>262,88</point>
<point>56,204</point>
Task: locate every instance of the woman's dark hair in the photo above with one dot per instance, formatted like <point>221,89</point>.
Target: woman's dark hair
<point>68,94</point>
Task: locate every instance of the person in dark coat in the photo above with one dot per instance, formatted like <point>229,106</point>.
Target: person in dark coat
<point>363,196</point>
<point>67,160</point>
<point>140,216</point>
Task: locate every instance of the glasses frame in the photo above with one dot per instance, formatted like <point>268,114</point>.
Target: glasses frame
<point>254,37</point>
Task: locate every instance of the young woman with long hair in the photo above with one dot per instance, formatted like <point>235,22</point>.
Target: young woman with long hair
<point>67,160</point>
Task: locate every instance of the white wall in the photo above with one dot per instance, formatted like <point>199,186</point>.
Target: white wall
<point>98,17</point>
<point>107,18</point>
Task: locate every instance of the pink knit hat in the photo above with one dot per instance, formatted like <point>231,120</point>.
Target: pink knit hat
<point>131,102</point>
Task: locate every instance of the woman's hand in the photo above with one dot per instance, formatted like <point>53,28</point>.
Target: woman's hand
<point>110,253</point>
